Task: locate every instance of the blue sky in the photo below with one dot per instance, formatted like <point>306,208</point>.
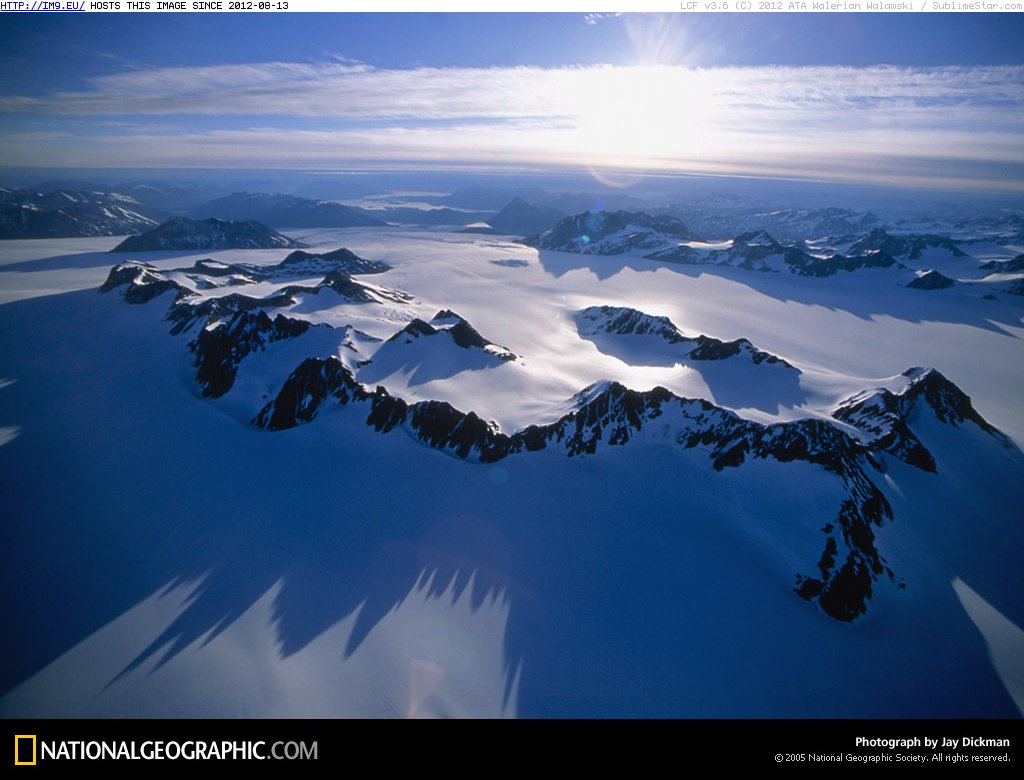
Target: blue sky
<point>933,99</point>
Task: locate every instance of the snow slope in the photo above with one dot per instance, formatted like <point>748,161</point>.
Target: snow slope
<point>196,563</point>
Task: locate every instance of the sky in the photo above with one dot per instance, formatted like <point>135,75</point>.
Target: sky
<point>919,100</point>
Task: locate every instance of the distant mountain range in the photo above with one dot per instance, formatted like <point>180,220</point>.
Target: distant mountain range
<point>720,218</point>
<point>717,218</point>
<point>69,208</point>
<point>410,215</point>
<point>184,233</point>
<point>68,214</point>
<point>759,251</point>
<point>924,261</point>
<point>284,211</point>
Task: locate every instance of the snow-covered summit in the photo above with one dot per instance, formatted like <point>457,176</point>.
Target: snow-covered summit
<point>67,213</point>
<point>597,321</point>
<point>454,327</point>
<point>611,233</point>
<point>907,247</point>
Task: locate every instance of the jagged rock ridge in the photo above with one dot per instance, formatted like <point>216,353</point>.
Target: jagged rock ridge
<point>904,247</point>
<point>234,325</point>
<point>624,321</point>
<point>455,327</point>
<point>221,345</point>
<point>209,273</point>
<point>759,251</point>
<point>143,282</point>
<point>610,415</point>
<point>666,239</point>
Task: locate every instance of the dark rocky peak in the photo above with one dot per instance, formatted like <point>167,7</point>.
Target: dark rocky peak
<point>306,389</point>
<point>209,274</point>
<point>185,314</point>
<point>142,282</point>
<point>829,266</point>
<point>623,320</point>
<point>210,267</point>
<point>948,403</point>
<point>300,262</point>
<point>598,224</point>
<point>348,288</point>
<point>931,280</point>
<point>413,330</point>
<point>182,233</point>
<point>222,345</point>
<point>910,247</point>
<point>879,415</point>
<point>709,348</point>
<point>751,250</point>
<point>463,334</point>
<point>884,418</point>
<point>756,238</point>
<point>457,328</point>
<point>128,272</point>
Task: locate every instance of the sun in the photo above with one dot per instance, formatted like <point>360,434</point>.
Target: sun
<point>657,117</point>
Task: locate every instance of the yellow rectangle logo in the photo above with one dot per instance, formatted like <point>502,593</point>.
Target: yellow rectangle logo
<point>19,739</point>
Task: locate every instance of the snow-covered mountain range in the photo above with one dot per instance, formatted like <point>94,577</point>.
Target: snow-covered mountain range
<point>283,211</point>
<point>913,260</point>
<point>427,472</point>
<point>602,415</point>
<point>64,213</point>
<point>610,233</point>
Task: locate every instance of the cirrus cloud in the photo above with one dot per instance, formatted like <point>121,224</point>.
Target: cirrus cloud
<point>942,126</point>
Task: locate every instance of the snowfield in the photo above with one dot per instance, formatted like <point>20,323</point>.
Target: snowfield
<point>211,512</point>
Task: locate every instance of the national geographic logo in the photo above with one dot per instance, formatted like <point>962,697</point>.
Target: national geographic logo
<point>28,749</point>
<point>24,749</point>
